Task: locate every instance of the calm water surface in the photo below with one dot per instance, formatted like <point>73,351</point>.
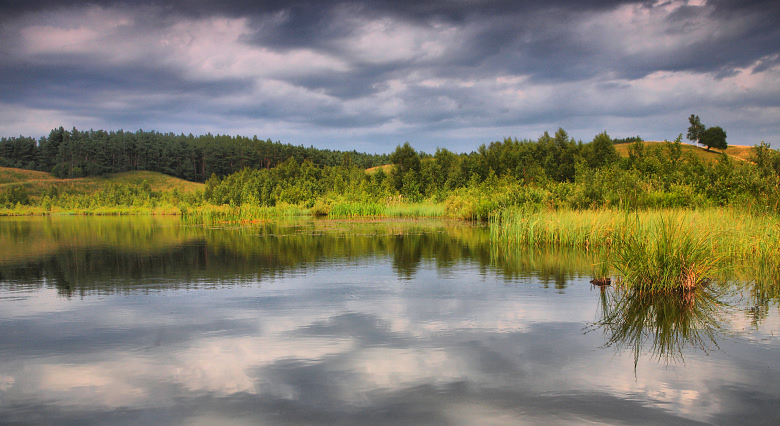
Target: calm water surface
<point>147,321</point>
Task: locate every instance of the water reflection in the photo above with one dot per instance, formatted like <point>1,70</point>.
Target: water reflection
<point>763,293</point>
<point>86,255</point>
<point>144,321</point>
<point>662,324</point>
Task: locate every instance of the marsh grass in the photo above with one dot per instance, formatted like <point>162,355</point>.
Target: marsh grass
<point>212,215</point>
<point>369,209</point>
<point>415,210</point>
<point>665,257</point>
<point>354,209</point>
<point>587,229</point>
<point>679,247</point>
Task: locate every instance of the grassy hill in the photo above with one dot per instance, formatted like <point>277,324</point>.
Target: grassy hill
<point>737,152</point>
<point>37,182</point>
<point>387,168</point>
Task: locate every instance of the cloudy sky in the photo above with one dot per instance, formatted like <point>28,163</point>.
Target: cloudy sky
<point>369,75</point>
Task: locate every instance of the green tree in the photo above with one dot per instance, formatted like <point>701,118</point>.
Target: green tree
<point>766,159</point>
<point>14,194</point>
<point>407,161</point>
<point>714,137</point>
<point>696,129</point>
<point>601,152</point>
<point>445,163</point>
<point>562,154</point>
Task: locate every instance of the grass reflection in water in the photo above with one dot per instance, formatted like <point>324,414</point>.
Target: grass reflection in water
<point>661,324</point>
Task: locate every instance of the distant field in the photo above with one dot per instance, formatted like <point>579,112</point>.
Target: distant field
<point>387,168</point>
<point>738,152</point>
<point>38,182</point>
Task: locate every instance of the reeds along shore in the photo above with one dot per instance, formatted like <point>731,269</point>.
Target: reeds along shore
<point>658,250</point>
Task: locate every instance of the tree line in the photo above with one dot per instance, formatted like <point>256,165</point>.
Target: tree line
<point>552,171</point>
<point>74,153</point>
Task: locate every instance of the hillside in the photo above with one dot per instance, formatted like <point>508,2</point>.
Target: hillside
<point>36,183</point>
<point>387,168</point>
<point>737,152</point>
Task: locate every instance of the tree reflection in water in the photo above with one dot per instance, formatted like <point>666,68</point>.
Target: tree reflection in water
<point>661,323</point>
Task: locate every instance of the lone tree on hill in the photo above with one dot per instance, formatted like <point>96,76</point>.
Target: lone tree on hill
<point>714,137</point>
<point>696,129</point>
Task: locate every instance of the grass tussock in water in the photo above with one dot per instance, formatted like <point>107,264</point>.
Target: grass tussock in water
<point>669,256</point>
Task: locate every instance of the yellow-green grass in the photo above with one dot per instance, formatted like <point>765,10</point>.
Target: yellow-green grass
<point>736,152</point>
<point>734,241</point>
<point>9,175</point>
<point>742,152</point>
<point>364,209</point>
<point>37,183</point>
<point>157,181</point>
<point>214,215</point>
<point>387,168</point>
<point>415,210</point>
<point>210,214</point>
<point>671,256</point>
<point>156,210</point>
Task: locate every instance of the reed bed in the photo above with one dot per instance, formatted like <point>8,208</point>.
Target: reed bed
<point>363,209</point>
<point>415,210</point>
<point>212,215</point>
<point>208,214</point>
<point>356,209</point>
<point>677,246</point>
<point>588,229</point>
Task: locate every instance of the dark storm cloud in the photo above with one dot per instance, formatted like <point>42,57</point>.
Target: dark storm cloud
<point>68,83</point>
<point>444,9</point>
<point>404,68</point>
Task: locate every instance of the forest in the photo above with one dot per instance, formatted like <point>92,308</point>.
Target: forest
<point>75,154</point>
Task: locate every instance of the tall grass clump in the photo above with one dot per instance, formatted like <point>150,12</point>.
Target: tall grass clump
<point>667,256</point>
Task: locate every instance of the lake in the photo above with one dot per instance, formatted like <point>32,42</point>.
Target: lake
<point>145,320</point>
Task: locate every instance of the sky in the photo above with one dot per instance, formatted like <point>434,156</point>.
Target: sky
<point>370,75</point>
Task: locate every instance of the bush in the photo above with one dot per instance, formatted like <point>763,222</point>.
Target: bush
<point>13,195</point>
